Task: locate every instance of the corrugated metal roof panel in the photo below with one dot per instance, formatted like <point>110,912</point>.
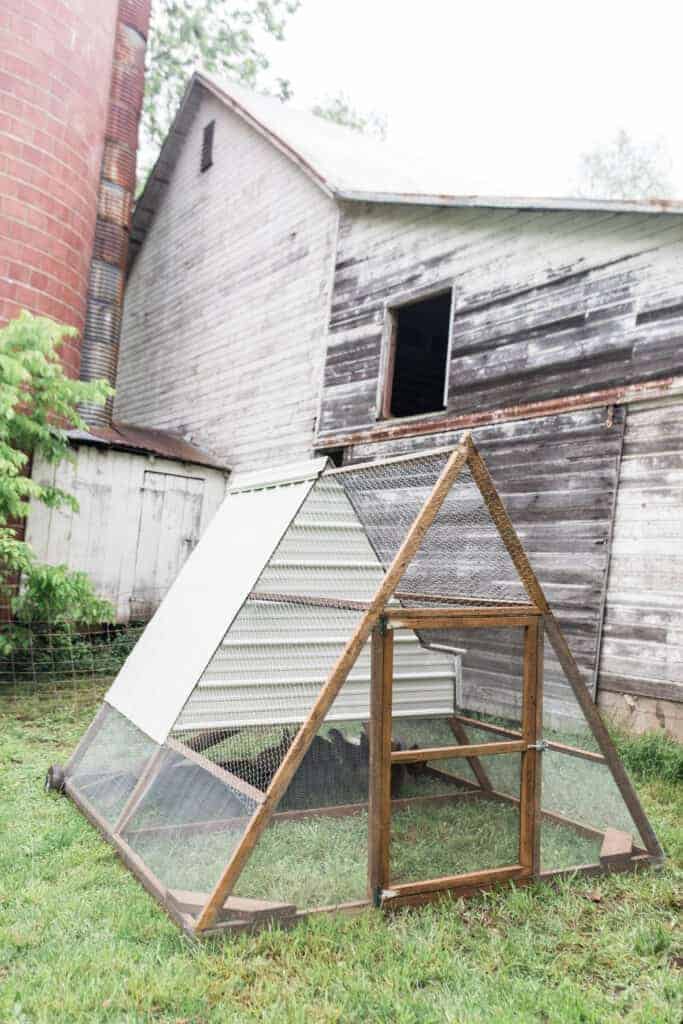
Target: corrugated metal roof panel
<point>271,666</point>
<point>173,651</point>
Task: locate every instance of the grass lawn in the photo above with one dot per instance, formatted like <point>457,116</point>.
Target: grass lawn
<point>323,860</point>
<point>81,941</point>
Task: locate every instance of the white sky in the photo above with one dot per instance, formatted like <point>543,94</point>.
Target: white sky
<point>508,94</point>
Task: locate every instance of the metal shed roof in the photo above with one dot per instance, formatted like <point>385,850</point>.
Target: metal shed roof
<point>127,437</point>
<point>345,164</point>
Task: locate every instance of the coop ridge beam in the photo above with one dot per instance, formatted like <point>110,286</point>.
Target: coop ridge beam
<point>335,680</point>
<point>441,619</point>
<point>503,612</point>
<point>305,599</point>
<point>461,599</point>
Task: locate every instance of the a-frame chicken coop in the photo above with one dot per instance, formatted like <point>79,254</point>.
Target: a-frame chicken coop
<point>315,719</point>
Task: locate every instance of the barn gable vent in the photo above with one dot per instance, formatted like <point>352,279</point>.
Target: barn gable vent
<point>207,146</point>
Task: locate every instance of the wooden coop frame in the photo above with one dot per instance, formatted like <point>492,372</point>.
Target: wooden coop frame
<point>219,911</point>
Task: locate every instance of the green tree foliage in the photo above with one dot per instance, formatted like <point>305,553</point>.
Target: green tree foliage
<point>38,403</point>
<point>211,35</point>
<point>339,110</point>
<point>624,169</point>
<point>60,596</point>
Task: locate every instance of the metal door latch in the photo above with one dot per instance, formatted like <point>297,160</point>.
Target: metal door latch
<point>540,746</point>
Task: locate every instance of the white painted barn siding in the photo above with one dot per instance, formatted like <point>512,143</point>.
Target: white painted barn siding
<point>139,517</point>
<point>226,306</point>
<point>641,666</point>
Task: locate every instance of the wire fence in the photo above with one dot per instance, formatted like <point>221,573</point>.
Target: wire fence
<point>66,657</point>
<point>54,657</point>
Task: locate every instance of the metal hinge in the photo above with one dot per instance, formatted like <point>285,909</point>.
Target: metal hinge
<point>541,746</point>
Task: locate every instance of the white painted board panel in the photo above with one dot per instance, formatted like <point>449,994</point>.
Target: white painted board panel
<point>158,676</point>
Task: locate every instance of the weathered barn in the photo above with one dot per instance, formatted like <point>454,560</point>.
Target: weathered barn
<point>294,289</point>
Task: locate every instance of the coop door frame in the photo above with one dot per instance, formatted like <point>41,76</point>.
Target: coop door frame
<point>382,757</point>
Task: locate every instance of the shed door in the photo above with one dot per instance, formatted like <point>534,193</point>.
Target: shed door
<point>170,517</point>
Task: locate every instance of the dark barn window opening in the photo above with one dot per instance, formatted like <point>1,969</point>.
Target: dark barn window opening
<point>207,146</point>
<point>416,378</point>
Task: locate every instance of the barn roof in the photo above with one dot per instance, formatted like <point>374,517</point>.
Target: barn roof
<point>345,164</point>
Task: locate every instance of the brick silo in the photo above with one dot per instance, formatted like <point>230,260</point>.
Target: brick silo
<point>71,77</point>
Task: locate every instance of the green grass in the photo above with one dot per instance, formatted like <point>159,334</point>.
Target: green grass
<point>81,941</point>
<point>652,756</point>
<point>323,860</point>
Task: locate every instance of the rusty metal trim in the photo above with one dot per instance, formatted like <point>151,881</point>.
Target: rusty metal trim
<point>443,423</point>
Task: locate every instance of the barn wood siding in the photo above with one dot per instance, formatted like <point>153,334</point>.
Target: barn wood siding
<point>101,538</point>
<point>557,476</point>
<point>642,650</point>
<point>226,306</point>
<point>547,304</point>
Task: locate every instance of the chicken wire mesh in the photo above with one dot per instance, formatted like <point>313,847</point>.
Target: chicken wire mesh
<point>319,857</point>
<point>462,555</point>
<point>314,851</point>
<point>454,832</point>
<point>108,763</point>
<point>325,553</point>
<point>262,682</point>
<point>492,667</point>
<point>450,830</point>
<point>240,721</point>
<point>578,789</point>
<point>62,657</point>
<point>189,822</point>
<point>352,524</point>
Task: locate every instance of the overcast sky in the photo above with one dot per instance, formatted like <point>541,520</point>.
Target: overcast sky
<point>508,94</point>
